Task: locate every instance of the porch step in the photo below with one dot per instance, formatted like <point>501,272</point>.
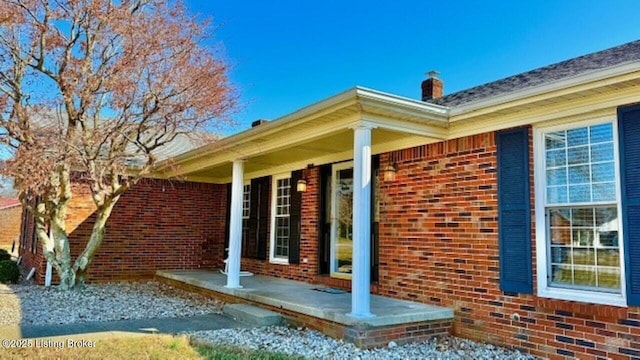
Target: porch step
<point>252,315</point>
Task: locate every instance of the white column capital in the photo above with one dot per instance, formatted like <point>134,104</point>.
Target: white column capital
<point>363,125</point>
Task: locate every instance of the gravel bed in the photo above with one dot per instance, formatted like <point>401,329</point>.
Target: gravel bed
<point>37,305</point>
<point>314,345</point>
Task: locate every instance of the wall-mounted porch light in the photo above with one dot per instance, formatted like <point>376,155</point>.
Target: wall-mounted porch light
<point>301,186</point>
<point>389,172</point>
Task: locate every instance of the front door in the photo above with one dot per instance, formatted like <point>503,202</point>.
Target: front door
<point>341,250</point>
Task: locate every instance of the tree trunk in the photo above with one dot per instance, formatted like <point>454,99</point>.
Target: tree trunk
<point>51,230</point>
<point>62,249</point>
<point>67,278</point>
<point>55,247</point>
<point>97,236</point>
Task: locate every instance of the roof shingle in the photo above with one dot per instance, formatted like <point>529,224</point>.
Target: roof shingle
<point>600,60</point>
<point>7,203</point>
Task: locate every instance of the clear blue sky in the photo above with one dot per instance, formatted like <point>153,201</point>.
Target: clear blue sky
<point>289,54</point>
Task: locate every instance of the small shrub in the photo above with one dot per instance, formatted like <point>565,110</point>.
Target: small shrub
<point>4,255</point>
<point>9,272</point>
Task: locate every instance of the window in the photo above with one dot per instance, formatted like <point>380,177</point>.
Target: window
<point>23,228</point>
<point>34,226</point>
<point>246,201</point>
<point>578,205</point>
<point>246,214</point>
<point>280,222</point>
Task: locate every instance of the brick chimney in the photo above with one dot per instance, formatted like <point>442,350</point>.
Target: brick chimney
<point>432,87</point>
<point>258,122</point>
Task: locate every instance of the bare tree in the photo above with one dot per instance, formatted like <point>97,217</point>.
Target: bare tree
<point>90,91</point>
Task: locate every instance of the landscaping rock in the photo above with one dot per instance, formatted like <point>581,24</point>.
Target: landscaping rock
<point>314,345</point>
<point>37,305</point>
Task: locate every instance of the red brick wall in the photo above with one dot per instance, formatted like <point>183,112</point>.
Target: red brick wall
<point>439,222</point>
<point>10,226</point>
<point>158,224</point>
<point>29,249</point>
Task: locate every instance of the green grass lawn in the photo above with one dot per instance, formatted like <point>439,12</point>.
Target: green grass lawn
<point>344,254</point>
<point>588,278</point>
<point>143,347</point>
<point>585,272</point>
<point>345,249</point>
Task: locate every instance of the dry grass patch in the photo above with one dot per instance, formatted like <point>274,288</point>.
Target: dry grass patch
<point>137,347</point>
<point>157,347</point>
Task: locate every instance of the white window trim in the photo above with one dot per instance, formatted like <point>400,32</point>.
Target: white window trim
<point>272,242</point>
<point>335,168</point>
<point>243,192</point>
<point>543,288</point>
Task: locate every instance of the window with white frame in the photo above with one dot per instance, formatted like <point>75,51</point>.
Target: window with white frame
<point>246,201</point>
<point>578,195</point>
<point>280,222</point>
<point>246,213</point>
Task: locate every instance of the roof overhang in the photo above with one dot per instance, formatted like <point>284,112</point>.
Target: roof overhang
<point>595,94</point>
<point>315,134</point>
<point>592,80</point>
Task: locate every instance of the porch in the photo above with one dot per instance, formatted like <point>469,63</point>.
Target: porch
<point>285,208</point>
<point>395,320</point>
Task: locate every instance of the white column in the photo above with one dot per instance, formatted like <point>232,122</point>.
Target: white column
<point>235,226</point>
<point>361,275</point>
<point>49,270</point>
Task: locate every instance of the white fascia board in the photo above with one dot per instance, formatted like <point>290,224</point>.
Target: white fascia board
<point>269,127</point>
<point>547,88</point>
<point>439,132</point>
<point>334,103</point>
<point>402,102</point>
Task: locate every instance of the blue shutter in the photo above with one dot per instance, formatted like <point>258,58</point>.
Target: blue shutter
<point>629,145</point>
<point>295,218</point>
<point>514,208</point>
<point>264,185</point>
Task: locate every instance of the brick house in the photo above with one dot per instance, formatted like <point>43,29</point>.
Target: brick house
<point>515,203</point>
<point>10,216</point>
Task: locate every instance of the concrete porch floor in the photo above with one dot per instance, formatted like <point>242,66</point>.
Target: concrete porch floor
<point>300,297</point>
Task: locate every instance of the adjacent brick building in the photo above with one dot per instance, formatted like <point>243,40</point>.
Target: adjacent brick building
<point>10,216</point>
